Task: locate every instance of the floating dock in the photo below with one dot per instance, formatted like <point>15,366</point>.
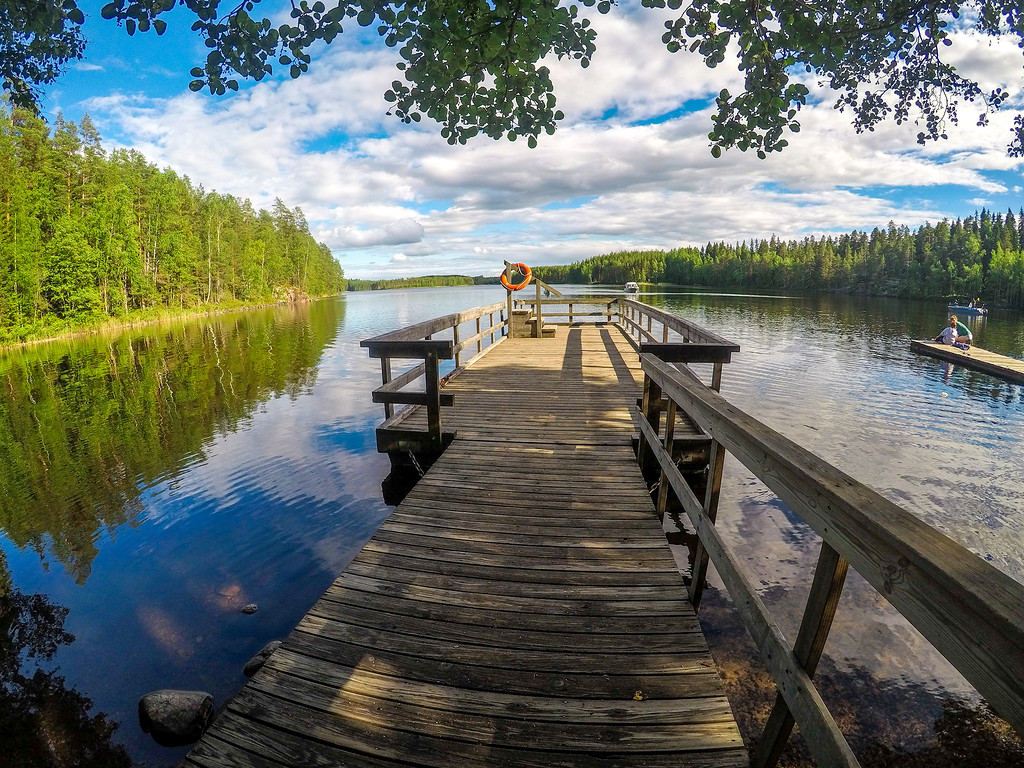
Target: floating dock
<point>1008,368</point>
<point>521,607</point>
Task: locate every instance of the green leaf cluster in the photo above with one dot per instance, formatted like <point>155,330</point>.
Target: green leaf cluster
<point>37,40</point>
<point>87,236</point>
<point>884,60</point>
<point>473,66</point>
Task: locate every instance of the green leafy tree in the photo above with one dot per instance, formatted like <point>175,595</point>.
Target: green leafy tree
<point>474,66</point>
<point>85,236</point>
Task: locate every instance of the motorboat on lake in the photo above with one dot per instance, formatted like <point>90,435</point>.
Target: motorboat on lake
<point>970,309</point>
<point>632,287</point>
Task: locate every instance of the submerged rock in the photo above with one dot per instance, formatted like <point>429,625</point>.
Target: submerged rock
<point>256,662</point>
<point>250,608</point>
<point>175,718</point>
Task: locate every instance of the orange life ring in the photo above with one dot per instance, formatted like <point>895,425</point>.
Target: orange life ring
<point>525,271</point>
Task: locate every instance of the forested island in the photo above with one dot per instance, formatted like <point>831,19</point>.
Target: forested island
<point>428,281</point>
<point>88,236</point>
<point>979,256</point>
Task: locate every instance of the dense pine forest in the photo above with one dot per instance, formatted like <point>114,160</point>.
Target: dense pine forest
<point>87,235</point>
<point>979,256</point>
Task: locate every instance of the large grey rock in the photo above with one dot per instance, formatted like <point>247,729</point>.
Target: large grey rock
<point>175,718</point>
<point>256,662</point>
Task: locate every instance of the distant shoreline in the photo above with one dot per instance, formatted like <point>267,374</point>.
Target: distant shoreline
<point>111,325</point>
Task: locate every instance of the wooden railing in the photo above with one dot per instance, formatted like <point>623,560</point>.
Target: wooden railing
<point>968,610</point>
<point>420,342</point>
<point>680,340</point>
<point>572,312</point>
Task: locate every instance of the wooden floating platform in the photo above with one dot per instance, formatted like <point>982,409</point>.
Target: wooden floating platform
<point>519,608</point>
<point>1008,368</point>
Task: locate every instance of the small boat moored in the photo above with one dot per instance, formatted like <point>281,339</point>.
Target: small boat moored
<point>632,287</point>
<point>970,309</point>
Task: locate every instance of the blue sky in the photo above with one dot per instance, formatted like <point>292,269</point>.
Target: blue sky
<point>629,168</point>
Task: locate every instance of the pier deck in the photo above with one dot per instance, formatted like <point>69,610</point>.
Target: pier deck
<point>1008,368</point>
<point>520,607</point>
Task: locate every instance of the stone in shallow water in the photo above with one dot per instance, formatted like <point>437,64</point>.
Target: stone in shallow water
<point>250,608</point>
<point>256,662</point>
<point>175,718</point>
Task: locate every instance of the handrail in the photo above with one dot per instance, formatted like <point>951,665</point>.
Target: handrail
<point>966,608</point>
<point>569,302</point>
<point>633,312</point>
<point>416,342</point>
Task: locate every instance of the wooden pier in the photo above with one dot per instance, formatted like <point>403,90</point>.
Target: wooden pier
<point>521,606</point>
<point>1008,368</point>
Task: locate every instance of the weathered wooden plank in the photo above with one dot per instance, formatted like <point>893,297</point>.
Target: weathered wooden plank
<point>378,590</point>
<point>511,569</point>
<point>606,735</point>
<point>595,553</point>
<point>481,615</point>
<point>497,703</point>
<point>516,636</point>
<point>391,746</point>
<point>690,678</point>
<point>524,559</point>
<point>514,588</point>
<point>530,658</point>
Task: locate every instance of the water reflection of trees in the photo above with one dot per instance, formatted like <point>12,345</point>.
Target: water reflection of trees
<point>43,721</point>
<point>86,424</point>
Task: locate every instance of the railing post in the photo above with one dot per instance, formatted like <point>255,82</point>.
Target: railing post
<point>826,589</point>
<point>479,338</point>
<point>455,340</point>
<point>538,331</point>
<point>716,465</point>
<point>651,410</point>
<point>570,313</point>
<point>433,391</point>
<point>670,432</point>
<point>385,375</point>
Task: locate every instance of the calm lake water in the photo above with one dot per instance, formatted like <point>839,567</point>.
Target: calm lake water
<point>154,482</point>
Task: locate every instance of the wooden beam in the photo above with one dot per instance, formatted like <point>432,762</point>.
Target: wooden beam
<point>822,602</point>
<point>690,352</point>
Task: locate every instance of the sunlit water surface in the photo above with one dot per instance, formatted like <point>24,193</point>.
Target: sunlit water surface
<point>156,481</point>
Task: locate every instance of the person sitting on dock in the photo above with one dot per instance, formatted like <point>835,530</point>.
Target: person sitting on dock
<point>963,333</point>
<point>951,334</point>
<point>948,335</point>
